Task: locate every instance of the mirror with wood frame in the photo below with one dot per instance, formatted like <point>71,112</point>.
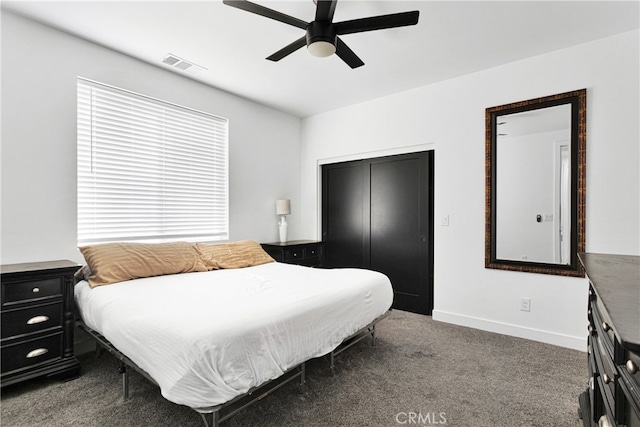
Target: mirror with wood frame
<point>535,184</point>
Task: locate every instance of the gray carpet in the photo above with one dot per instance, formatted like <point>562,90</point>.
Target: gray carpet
<point>449,375</point>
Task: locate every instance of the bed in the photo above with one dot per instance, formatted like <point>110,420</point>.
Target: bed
<point>208,337</point>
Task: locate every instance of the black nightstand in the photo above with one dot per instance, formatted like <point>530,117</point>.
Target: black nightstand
<point>37,309</point>
<point>301,252</point>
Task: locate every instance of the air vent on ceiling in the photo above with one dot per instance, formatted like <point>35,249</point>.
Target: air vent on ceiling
<point>179,63</point>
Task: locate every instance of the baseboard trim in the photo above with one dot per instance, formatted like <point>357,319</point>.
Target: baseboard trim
<point>575,343</point>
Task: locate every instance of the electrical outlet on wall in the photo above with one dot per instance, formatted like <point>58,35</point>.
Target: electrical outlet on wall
<point>525,304</point>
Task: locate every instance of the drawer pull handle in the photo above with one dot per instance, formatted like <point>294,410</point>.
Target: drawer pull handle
<point>37,352</point>
<point>605,326</point>
<point>607,379</point>
<point>37,319</point>
<point>35,290</point>
<point>632,368</point>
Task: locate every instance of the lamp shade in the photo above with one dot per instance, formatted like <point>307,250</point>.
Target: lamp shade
<point>283,207</point>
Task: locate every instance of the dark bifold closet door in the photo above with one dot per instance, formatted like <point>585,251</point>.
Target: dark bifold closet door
<point>378,214</point>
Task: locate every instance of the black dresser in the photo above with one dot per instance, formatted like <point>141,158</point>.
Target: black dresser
<point>301,252</point>
<point>613,395</point>
<point>37,323</point>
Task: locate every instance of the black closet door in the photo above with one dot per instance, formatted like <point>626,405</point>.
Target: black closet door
<point>379,214</point>
<point>343,212</point>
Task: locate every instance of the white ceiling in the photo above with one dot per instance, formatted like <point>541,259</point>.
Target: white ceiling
<point>452,38</point>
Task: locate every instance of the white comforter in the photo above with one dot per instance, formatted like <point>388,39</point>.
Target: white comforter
<point>206,338</point>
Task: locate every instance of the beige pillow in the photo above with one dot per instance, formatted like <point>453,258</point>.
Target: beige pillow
<point>243,253</point>
<point>117,262</point>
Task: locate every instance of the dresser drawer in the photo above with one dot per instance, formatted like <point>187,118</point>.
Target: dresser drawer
<point>632,416</point>
<point>16,292</point>
<point>606,368</point>
<point>32,319</point>
<point>32,352</point>
<point>608,402</point>
<point>630,384</point>
<point>632,367</point>
<point>603,327</point>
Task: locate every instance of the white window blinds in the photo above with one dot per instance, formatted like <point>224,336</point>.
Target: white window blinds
<point>148,170</point>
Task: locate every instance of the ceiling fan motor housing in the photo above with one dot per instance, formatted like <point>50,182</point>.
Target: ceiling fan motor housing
<point>321,38</point>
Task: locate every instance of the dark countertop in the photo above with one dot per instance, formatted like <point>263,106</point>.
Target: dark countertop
<point>37,266</point>
<point>292,243</point>
<point>616,280</point>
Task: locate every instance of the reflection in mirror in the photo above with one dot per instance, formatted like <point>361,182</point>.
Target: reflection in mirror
<point>533,150</point>
<point>535,184</point>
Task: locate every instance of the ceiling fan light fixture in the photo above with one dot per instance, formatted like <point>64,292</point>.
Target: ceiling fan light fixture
<point>321,49</point>
<point>322,33</point>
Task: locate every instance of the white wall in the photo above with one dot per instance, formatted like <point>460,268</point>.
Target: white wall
<point>450,115</point>
<point>39,70</point>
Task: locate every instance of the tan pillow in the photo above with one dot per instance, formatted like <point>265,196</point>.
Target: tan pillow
<point>243,253</point>
<point>117,262</point>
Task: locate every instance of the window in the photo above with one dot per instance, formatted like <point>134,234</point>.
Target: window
<point>148,170</point>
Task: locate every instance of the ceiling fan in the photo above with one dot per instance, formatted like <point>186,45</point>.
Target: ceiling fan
<point>322,34</point>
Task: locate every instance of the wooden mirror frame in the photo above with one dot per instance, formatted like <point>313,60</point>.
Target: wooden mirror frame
<point>578,101</point>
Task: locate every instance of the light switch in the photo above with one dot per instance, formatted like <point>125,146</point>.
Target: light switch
<point>445,221</point>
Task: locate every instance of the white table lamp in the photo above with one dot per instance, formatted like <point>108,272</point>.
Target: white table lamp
<point>283,208</point>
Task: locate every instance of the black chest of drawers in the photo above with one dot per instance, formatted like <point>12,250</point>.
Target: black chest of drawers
<point>37,321</point>
<point>301,252</point>
<point>613,395</point>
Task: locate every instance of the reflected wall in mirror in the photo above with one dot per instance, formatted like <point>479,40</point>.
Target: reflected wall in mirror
<point>535,184</point>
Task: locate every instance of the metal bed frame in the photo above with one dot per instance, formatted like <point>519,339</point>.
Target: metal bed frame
<point>241,402</point>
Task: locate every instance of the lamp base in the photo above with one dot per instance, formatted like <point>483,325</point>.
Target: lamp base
<point>282,225</point>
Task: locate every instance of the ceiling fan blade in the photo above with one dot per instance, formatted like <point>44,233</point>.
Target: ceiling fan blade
<point>289,49</point>
<point>377,22</point>
<point>347,55</point>
<point>325,10</point>
<point>265,11</point>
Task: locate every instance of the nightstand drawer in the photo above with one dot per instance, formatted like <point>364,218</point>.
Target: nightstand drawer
<point>293,254</point>
<point>33,319</point>
<point>312,251</point>
<point>15,292</point>
<point>301,252</point>
<point>32,352</point>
